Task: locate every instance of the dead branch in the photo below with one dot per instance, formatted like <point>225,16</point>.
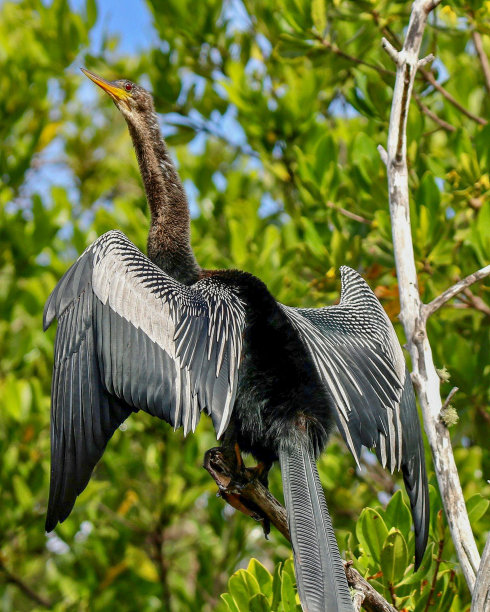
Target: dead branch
<point>435,304</point>
<point>413,315</point>
<point>481,592</point>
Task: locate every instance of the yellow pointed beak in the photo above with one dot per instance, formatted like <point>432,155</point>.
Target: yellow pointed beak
<point>115,91</point>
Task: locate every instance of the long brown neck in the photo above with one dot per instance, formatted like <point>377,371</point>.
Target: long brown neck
<point>169,245</point>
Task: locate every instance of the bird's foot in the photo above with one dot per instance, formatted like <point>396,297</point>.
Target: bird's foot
<point>234,481</point>
<point>259,472</point>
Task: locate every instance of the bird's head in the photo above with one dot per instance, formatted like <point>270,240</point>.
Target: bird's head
<point>132,100</point>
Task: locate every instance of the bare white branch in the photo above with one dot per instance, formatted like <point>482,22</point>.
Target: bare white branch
<point>383,154</point>
<point>481,592</point>
<point>412,316</point>
<point>390,49</point>
<point>426,60</point>
<point>439,301</point>
<point>453,391</point>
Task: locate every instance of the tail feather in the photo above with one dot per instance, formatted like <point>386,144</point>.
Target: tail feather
<point>320,575</point>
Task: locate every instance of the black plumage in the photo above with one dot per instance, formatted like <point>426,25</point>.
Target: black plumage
<point>140,335</point>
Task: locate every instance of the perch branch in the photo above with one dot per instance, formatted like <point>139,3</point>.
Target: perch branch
<point>240,488</point>
<point>412,312</point>
<point>439,301</point>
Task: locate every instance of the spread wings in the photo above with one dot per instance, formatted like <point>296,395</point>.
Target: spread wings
<point>360,362</point>
<point>131,338</point>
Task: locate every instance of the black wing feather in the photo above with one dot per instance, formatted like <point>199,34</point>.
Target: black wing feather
<point>131,338</point>
<point>360,361</point>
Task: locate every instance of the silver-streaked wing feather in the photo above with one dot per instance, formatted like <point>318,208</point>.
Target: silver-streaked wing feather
<point>132,338</point>
<point>360,362</point>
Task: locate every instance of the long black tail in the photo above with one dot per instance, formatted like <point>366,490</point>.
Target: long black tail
<point>320,574</point>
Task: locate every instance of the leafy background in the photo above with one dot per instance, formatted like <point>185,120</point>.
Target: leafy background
<point>273,111</point>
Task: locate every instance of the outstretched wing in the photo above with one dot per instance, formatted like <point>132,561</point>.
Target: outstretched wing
<point>360,361</point>
<point>132,338</point>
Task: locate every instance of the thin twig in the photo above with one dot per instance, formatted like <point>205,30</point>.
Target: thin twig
<point>348,213</point>
<point>351,58</point>
<point>430,78</point>
<point>475,301</point>
<point>482,57</point>
<point>440,549</point>
<point>450,396</point>
<point>436,303</point>
<point>25,588</point>
<point>426,110</point>
<point>383,154</point>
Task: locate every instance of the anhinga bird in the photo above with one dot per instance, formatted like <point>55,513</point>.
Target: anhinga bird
<point>161,335</point>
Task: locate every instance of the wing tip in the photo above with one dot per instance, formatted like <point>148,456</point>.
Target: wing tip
<point>51,522</point>
<point>48,316</point>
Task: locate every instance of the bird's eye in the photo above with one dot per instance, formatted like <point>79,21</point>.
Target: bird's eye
<point>128,87</point>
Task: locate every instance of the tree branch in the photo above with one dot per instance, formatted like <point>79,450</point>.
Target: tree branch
<point>412,309</point>
<point>240,488</point>
<point>348,213</point>
<point>481,592</point>
<point>475,301</point>
<point>482,57</point>
<point>429,76</point>
<point>351,58</point>
<point>435,304</point>
<point>450,396</point>
<point>426,110</point>
<point>25,588</point>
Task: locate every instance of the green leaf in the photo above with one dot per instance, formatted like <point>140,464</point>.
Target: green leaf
<point>319,15</point>
<point>276,586</point>
<point>140,563</point>
<point>397,514</point>
<point>477,507</point>
<point>291,47</point>
<point>242,586</point>
<point>230,602</point>
<point>259,603</point>
<point>288,593</point>
<point>262,575</point>
<point>91,12</point>
<point>418,576</point>
<point>371,532</point>
<point>22,492</point>
<point>394,557</point>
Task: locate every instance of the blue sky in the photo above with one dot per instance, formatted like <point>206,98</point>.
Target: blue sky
<point>131,20</point>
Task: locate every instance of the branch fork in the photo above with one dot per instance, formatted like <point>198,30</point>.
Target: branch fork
<point>414,313</point>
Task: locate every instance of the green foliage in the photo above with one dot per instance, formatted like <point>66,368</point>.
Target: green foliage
<point>380,552</point>
<point>274,116</point>
<point>255,589</point>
